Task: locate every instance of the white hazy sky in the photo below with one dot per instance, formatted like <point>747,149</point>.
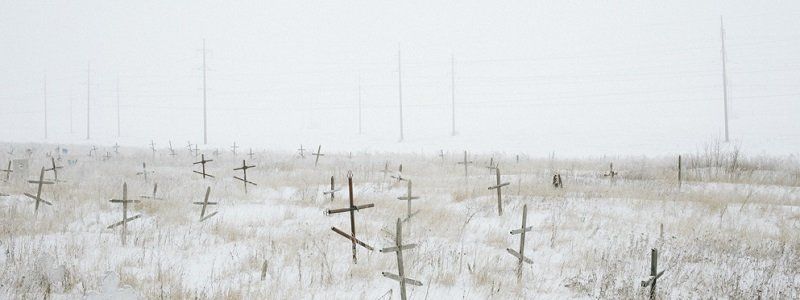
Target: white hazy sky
<point>571,77</point>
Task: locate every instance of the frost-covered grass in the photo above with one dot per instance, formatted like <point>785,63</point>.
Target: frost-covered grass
<point>731,231</point>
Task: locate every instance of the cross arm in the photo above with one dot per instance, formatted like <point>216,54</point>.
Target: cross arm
<point>40,182</point>
<point>518,231</point>
<point>349,237</point>
<point>499,186</point>
<point>38,198</point>
<point>519,256</point>
<point>357,207</point>
<point>650,279</point>
<point>331,191</point>
<point>121,222</point>
<point>245,181</point>
<point>204,174</point>
<point>123,201</point>
<point>395,249</point>
<point>206,203</point>
<point>398,278</point>
<point>408,198</point>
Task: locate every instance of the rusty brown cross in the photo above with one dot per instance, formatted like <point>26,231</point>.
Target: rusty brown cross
<point>203,162</point>
<point>654,274</point>
<point>498,187</point>
<point>398,250</point>
<point>54,168</point>
<point>466,164</point>
<point>399,175</point>
<point>125,218</point>
<point>38,196</point>
<point>154,195</point>
<point>144,171</point>
<point>521,231</point>
<point>317,154</point>
<point>205,204</point>
<point>8,171</point>
<point>408,197</point>
<point>351,209</point>
<point>333,190</point>
<point>244,180</point>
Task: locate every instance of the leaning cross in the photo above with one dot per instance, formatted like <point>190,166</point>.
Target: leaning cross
<point>144,171</point>
<point>408,197</point>
<point>332,191</point>
<point>499,193</point>
<point>154,197</point>
<point>318,154</point>
<point>385,170</point>
<point>171,150</point>
<point>38,196</point>
<point>398,249</point>
<point>521,254</point>
<point>244,180</point>
<point>399,176</point>
<point>8,170</point>
<point>203,162</point>
<point>491,165</point>
<point>654,274</point>
<point>125,218</point>
<point>205,203</point>
<point>54,168</point>
<point>352,209</point>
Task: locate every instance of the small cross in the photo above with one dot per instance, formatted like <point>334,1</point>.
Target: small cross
<point>233,148</point>
<point>116,148</point>
<point>153,147</point>
<point>318,154</point>
<point>521,231</point>
<point>351,209</point>
<point>54,168</point>
<point>466,165</point>
<point>408,197</point>
<point>244,180</point>
<point>499,194</point>
<point>205,203</point>
<point>107,156</point>
<point>251,154</point>
<point>399,176</point>
<point>153,196</point>
<point>332,191</point>
<point>144,171</point>
<point>203,162</point>
<point>171,151</point>
<point>302,151</point>
<point>8,171</point>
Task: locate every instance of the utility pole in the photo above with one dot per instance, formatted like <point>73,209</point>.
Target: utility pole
<point>359,104</point>
<point>88,95</point>
<point>205,114</point>
<point>70,116</point>
<point>453,88</point>
<point>724,77</point>
<point>118,130</point>
<point>400,89</point>
<point>44,89</point>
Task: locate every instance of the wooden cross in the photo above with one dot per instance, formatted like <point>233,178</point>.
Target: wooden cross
<point>441,155</point>
<point>398,249</point>
<point>352,209</point>
<point>203,162</point>
<point>654,274</point>
<point>399,176</point>
<point>521,231</point>
<point>680,169</point>
<point>385,170</point>
<point>189,146</point>
<point>499,193</point>
<point>302,151</point>
<point>318,154</point>
<point>116,148</point>
<point>251,154</point>
<point>233,148</point>
<point>171,151</point>
<point>154,197</point>
<point>196,150</point>
<point>332,191</point>
<point>8,171</point>
<point>125,218</point>
<point>466,165</point>
<point>92,151</point>
<point>107,156</point>
<point>11,152</point>
<point>38,196</point>
<point>153,147</point>
<point>205,203</point>
<point>144,171</point>
<point>408,197</point>
<point>491,165</point>
<point>244,180</point>
<point>54,168</point>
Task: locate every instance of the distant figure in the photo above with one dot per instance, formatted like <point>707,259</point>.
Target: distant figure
<point>557,183</point>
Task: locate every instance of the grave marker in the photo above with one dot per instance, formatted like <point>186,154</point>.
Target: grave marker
<point>125,218</point>
<point>466,166</point>
<point>557,183</point>
<point>521,231</point>
<point>153,196</point>
<point>302,151</point>
<point>332,191</point>
<point>171,150</point>
<point>205,203</point>
<point>144,171</point>
<point>38,196</point>
<point>498,187</point>
<point>654,274</point>
<point>318,154</point>
<point>203,162</point>
<point>153,147</point>
<point>351,209</point>
<point>233,148</point>
<point>8,171</point>
<point>611,173</point>
<point>250,154</point>
<point>116,148</point>
<point>398,249</point>
<point>408,197</point>
<point>54,168</point>
<point>399,175</point>
<point>244,180</point>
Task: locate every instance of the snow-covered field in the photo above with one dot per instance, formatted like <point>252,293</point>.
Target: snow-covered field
<point>730,231</point>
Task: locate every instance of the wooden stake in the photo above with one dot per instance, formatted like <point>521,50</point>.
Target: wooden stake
<point>125,218</point>
<point>352,209</point>
<point>398,249</point>
<point>499,193</point>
